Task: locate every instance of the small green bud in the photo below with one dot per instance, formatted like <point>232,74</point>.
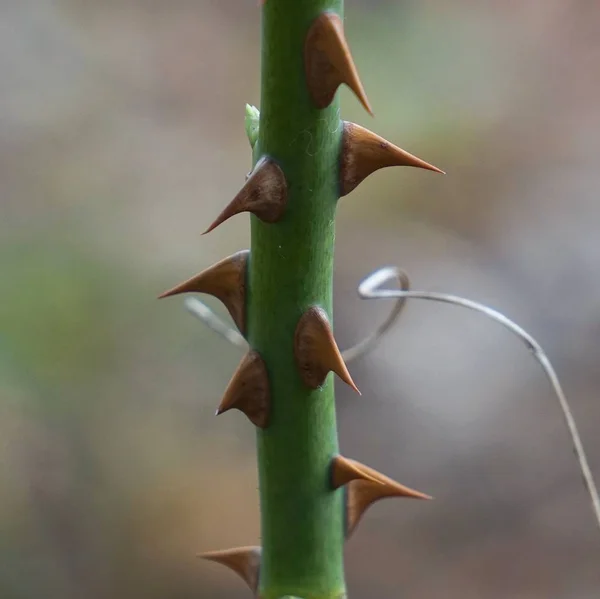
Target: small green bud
<point>251,121</point>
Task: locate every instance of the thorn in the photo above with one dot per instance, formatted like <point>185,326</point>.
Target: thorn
<point>317,352</point>
<point>264,194</point>
<point>364,152</point>
<point>328,62</point>
<point>244,561</point>
<point>226,280</point>
<point>344,470</point>
<point>248,390</point>
<point>363,492</point>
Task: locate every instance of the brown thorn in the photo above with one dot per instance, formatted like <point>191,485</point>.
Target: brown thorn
<point>248,390</point>
<point>328,62</point>
<point>361,494</point>
<point>226,280</point>
<point>316,351</point>
<point>244,561</point>
<point>264,194</point>
<point>344,470</point>
<point>364,152</point>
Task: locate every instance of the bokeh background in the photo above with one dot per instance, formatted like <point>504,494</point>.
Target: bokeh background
<point>122,136</point>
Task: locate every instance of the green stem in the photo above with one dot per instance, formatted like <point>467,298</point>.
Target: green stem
<point>290,269</point>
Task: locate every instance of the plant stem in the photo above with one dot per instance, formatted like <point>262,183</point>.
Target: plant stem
<point>290,269</point>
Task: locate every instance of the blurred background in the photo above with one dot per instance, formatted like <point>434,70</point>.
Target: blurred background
<point>122,136</point>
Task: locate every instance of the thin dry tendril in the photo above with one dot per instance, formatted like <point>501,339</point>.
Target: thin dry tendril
<point>372,288</point>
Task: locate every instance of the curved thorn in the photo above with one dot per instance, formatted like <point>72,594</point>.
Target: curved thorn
<point>264,194</point>
<point>371,288</point>
<point>344,470</point>
<point>365,152</point>
<point>361,494</point>
<point>244,561</point>
<point>249,390</point>
<point>328,62</point>
<point>225,280</point>
<point>316,351</point>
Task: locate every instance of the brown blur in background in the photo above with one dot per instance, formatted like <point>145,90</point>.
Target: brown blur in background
<point>121,138</point>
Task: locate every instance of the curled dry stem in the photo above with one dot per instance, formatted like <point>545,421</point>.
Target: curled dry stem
<point>373,287</point>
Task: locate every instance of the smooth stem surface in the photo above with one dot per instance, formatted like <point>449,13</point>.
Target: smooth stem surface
<point>290,269</point>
